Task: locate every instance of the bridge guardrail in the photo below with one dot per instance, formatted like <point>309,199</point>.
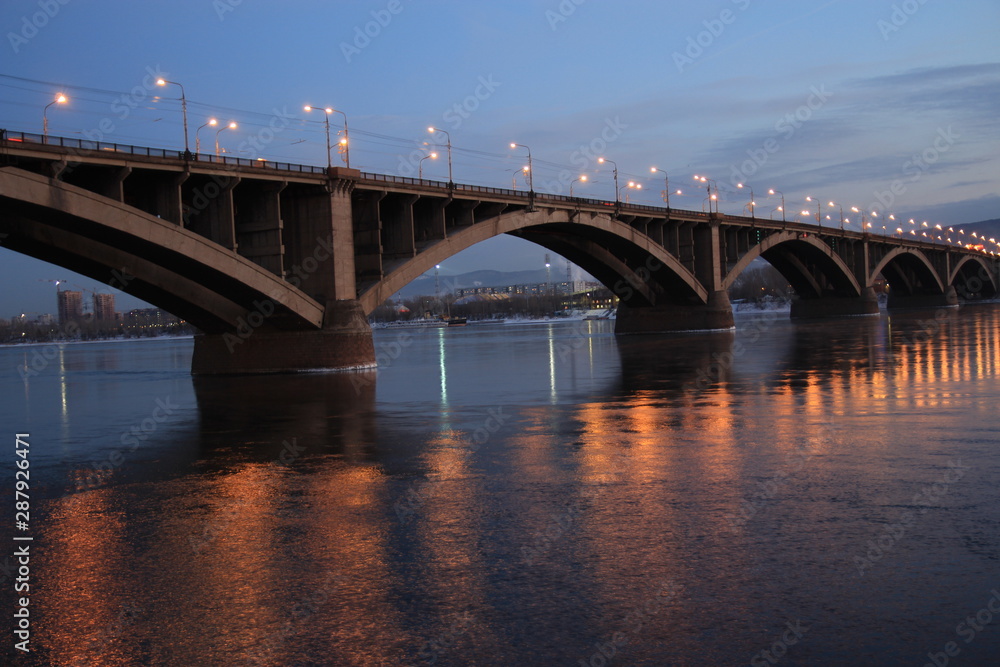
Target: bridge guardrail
<point>90,145</point>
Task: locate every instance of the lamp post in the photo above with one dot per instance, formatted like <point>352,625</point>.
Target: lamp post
<point>528,169</point>
<point>346,141</point>
<point>231,126</point>
<point>711,198</point>
<point>60,99</point>
<point>197,141</point>
<point>582,179</point>
<point>631,185</point>
<point>753,204</point>
<point>420,165</point>
<point>602,160</point>
<point>433,130</point>
<point>819,220</point>
<point>772,191</point>
<point>841,214</point>
<point>513,177</point>
<point>326,120</point>
<point>184,110</point>
<point>865,225</point>
<point>666,185</point>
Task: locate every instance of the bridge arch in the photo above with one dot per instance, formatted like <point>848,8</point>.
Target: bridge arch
<point>639,270</point>
<point>907,270</point>
<point>972,278</point>
<point>202,282</point>
<point>807,263</point>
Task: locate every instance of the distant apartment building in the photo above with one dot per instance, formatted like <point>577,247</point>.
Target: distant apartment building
<point>104,307</point>
<point>563,288</point>
<point>70,306</point>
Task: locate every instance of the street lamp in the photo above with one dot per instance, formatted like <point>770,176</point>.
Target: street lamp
<point>772,191</point>
<point>184,110</point>
<point>231,126</point>
<point>345,142</point>
<point>666,184</point>
<point>602,160</point>
<point>197,141</point>
<point>433,130</point>
<point>632,185</point>
<point>326,120</point>
<point>60,99</point>
<point>841,214</point>
<point>711,197</point>
<point>420,165</point>
<point>819,220</point>
<point>753,204</point>
<point>528,169</point>
<point>513,177</point>
<point>582,179</point>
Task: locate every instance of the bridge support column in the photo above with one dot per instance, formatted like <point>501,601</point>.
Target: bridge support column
<point>947,300</point>
<point>344,343</point>
<point>835,306</point>
<point>716,314</point>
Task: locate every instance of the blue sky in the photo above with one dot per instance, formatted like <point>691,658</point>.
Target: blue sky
<point>837,100</point>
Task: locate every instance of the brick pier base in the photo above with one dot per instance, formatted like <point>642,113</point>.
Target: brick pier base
<point>717,314</point>
<point>344,342</point>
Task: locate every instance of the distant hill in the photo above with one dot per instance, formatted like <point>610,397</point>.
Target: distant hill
<point>989,228</point>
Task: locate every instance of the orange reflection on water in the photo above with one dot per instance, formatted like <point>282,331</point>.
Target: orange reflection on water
<point>83,557</point>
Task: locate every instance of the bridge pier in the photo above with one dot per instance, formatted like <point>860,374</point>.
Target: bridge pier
<point>344,343</point>
<point>949,299</point>
<point>835,306</point>
<point>715,315</point>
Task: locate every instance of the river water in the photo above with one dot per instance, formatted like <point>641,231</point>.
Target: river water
<point>789,493</point>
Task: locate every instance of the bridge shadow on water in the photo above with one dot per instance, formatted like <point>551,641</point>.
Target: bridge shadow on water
<point>282,418</point>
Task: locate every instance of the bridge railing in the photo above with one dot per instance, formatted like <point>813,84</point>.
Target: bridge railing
<point>90,145</point>
<point>406,180</point>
